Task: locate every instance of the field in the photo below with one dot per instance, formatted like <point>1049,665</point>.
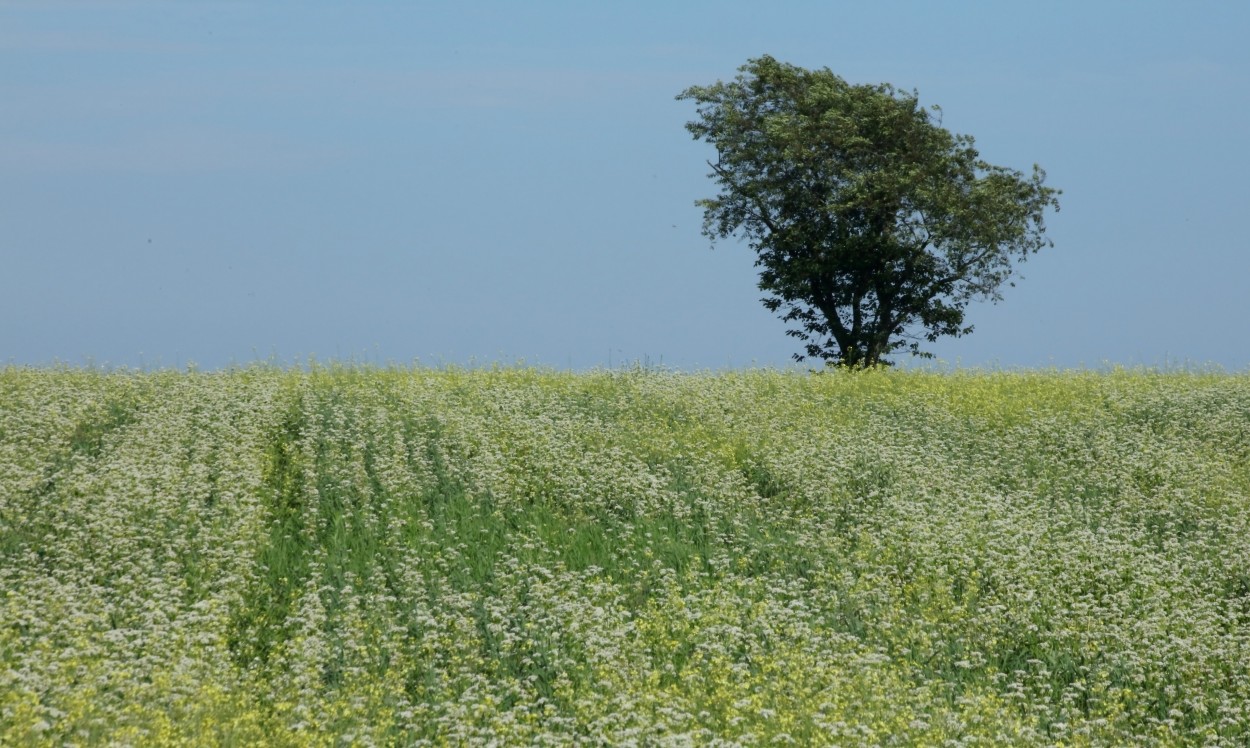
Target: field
<point>518,557</point>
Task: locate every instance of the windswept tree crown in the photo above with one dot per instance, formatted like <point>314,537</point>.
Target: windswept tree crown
<point>873,226</point>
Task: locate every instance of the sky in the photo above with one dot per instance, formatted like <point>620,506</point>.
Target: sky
<point>471,183</point>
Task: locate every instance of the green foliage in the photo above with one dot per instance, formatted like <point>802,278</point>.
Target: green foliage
<point>516,557</point>
<point>871,223</point>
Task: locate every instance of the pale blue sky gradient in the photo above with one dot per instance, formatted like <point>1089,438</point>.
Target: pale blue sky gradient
<point>221,182</point>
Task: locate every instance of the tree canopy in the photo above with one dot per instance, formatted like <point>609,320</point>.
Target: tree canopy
<point>873,226</point>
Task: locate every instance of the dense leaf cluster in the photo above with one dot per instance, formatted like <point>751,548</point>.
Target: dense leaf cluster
<point>872,224</point>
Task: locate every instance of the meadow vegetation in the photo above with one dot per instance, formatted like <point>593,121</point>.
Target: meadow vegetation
<point>523,557</point>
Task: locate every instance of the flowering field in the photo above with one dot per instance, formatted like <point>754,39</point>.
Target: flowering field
<point>514,557</point>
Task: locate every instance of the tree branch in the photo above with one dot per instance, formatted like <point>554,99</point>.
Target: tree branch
<point>762,216</point>
<point>964,266</point>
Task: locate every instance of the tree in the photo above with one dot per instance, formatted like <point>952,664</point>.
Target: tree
<point>872,225</point>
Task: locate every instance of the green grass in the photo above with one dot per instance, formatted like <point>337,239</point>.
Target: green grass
<point>420,557</point>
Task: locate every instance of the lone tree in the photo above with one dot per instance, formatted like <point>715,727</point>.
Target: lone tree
<point>872,225</point>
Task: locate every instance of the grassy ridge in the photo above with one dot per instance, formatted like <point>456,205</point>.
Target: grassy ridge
<point>411,557</point>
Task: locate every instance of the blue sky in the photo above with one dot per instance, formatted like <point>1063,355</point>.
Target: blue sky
<point>222,182</point>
